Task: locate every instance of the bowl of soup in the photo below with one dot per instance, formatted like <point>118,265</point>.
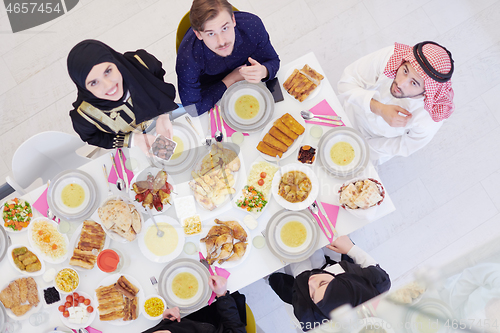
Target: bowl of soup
<point>72,195</point>
<point>247,106</point>
<point>293,235</point>
<point>185,286</point>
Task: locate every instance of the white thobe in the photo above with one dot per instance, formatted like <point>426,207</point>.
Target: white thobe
<point>365,79</point>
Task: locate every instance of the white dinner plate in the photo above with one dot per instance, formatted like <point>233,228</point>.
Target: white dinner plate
<point>45,257</point>
<point>314,93</point>
<point>73,244</point>
<point>177,229</point>
<point>171,270</point>
<point>110,233</point>
<point>4,243</point>
<point>295,145</point>
<point>143,176</point>
<point>226,264</point>
<point>263,96</point>
<point>111,279</point>
<point>89,321</point>
<point>33,309</point>
<point>239,195</point>
<point>310,198</point>
<point>298,249</point>
<point>35,252</point>
<point>10,229</point>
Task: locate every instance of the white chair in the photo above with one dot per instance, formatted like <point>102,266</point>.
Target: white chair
<point>43,156</point>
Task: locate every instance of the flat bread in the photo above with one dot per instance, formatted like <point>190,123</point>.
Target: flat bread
<point>128,235</point>
<point>136,221</point>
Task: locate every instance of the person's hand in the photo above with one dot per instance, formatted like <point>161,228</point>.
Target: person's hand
<point>233,77</point>
<point>341,245</point>
<point>140,141</point>
<point>172,314</point>
<point>255,72</point>
<point>391,113</point>
<point>218,285</point>
<point>164,126</point>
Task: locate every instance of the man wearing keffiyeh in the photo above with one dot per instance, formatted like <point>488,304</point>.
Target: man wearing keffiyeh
<point>398,97</point>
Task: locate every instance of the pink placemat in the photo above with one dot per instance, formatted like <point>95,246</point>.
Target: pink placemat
<point>112,174</point>
<point>90,329</point>
<point>41,204</point>
<point>323,109</point>
<point>332,211</point>
<point>220,271</point>
<point>215,123</point>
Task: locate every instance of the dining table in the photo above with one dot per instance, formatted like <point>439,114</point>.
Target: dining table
<point>259,263</point>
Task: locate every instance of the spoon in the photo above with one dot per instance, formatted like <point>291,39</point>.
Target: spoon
<point>83,330</point>
<point>208,138</point>
<point>159,233</point>
<point>278,163</point>
<point>314,209</point>
<point>120,184</point>
<point>308,115</point>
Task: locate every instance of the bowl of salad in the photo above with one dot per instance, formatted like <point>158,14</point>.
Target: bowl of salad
<point>17,214</point>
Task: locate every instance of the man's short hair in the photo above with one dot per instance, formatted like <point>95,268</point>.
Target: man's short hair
<point>205,10</point>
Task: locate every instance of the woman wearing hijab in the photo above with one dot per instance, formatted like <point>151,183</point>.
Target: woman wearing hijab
<point>118,94</point>
<point>314,293</point>
<point>222,316</point>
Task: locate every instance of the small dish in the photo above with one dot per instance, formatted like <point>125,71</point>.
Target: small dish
<point>69,276</point>
<point>49,259</point>
<point>91,316</point>
<point>307,155</point>
<point>28,212</point>
<point>11,260</point>
<point>145,311</point>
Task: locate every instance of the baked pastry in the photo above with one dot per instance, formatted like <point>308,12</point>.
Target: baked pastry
<point>302,82</point>
<point>268,150</point>
<point>275,143</point>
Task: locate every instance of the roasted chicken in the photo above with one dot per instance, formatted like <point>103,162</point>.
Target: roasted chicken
<point>154,191</point>
<point>225,241</point>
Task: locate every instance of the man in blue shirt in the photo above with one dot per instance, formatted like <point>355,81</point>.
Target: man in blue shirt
<point>220,49</point>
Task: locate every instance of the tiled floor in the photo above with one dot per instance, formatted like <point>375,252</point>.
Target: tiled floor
<point>447,195</point>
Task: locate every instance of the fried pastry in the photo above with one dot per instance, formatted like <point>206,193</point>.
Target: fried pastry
<point>268,150</point>
<point>283,128</point>
<point>275,143</point>
<point>278,134</point>
<point>292,124</point>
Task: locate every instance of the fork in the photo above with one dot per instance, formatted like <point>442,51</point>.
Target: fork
<point>154,283</point>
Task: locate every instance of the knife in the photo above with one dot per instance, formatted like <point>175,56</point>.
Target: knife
<point>331,122</point>
<point>322,210</point>
<point>124,174</point>
<point>206,264</point>
<point>223,129</point>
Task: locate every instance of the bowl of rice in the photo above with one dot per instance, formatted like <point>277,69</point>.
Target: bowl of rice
<point>66,280</point>
<point>48,241</point>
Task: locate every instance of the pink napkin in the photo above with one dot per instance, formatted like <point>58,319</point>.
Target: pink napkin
<point>112,174</point>
<point>332,211</point>
<point>41,204</point>
<point>375,303</point>
<point>215,123</point>
<point>221,272</point>
<point>323,109</point>
<point>90,329</point>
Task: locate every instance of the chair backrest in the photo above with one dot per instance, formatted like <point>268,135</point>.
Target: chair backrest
<point>45,155</point>
<point>183,27</point>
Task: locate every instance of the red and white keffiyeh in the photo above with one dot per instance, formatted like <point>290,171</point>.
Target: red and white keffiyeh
<point>438,99</point>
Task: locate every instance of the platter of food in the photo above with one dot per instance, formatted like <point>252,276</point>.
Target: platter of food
<point>247,107</point>
<point>118,297</point>
<point>77,310</point>
<point>184,283</point>
<point>225,243</point>
<point>88,240</point>
<point>165,248</point>
<point>47,241</point>
<point>120,218</point>
<point>217,175</point>
<point>282,136</point>
<point>362,197</point>
<point>292,235</point>
<point>25,260</point>
<point>255,195</point>
<point>4,243</point>
<point>343,152</point>
<point>303,83</point>
<point>153,188</point>
<point>296,188</point>
<point>16,215</point>
<point>185,153</point>
<point>73,195</point>
<point>21,297</point>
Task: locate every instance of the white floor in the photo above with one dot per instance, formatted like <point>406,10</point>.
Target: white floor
<point>447,195</point>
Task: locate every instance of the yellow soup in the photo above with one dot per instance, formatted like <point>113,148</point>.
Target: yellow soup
<point>185,285</point>
<point>293,234</point>
<point>342,153</point>
<point>72,195</point>
<point>246,106</point>
<point>161,246</point>
<point>179,148</point>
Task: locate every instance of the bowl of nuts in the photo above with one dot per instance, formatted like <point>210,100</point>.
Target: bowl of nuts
<point>163,148</point>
